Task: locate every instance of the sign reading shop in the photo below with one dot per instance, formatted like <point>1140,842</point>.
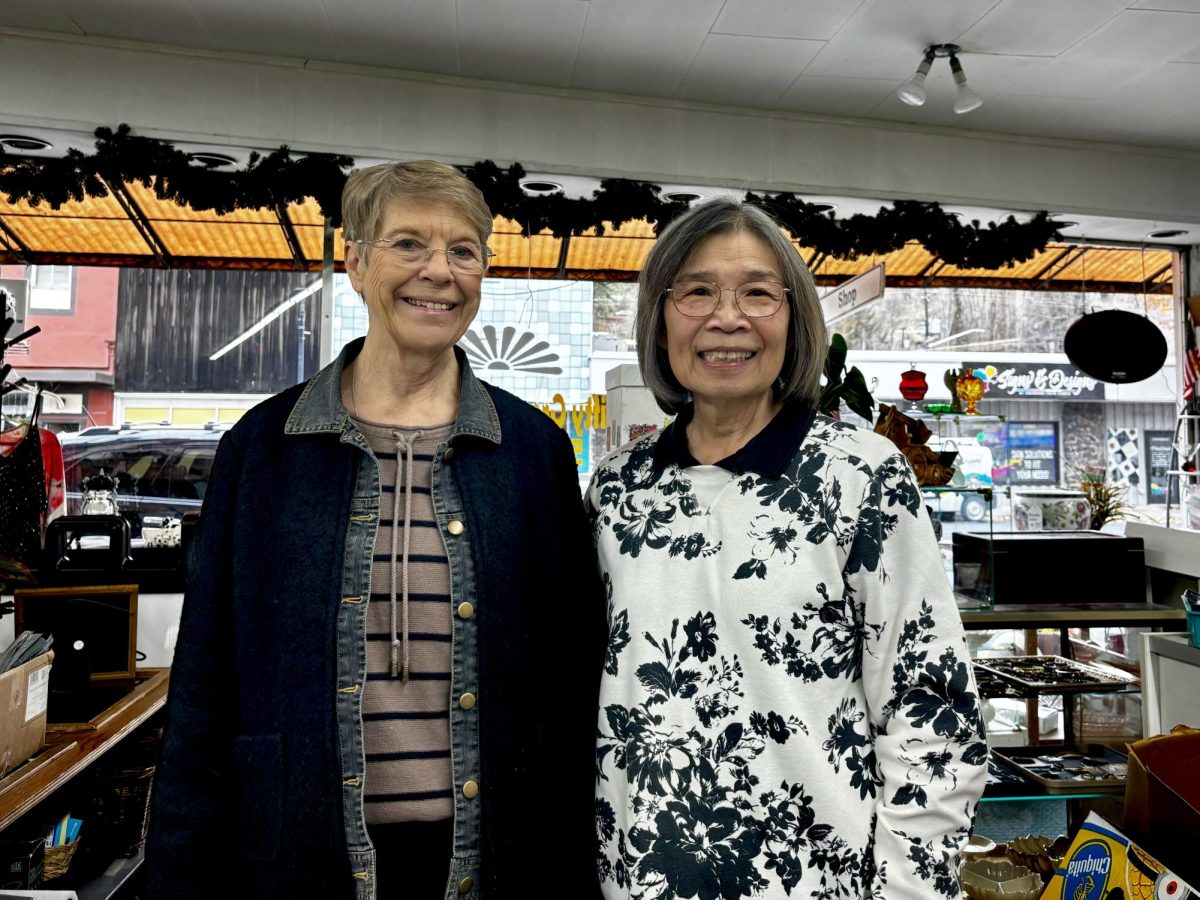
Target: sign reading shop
<point>1052,380</point>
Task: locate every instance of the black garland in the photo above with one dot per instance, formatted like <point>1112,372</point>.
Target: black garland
<point>282,177</point>
<point>269,181</point>
<point>941,233</point>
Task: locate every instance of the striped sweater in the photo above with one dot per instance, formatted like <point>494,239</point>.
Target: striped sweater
<point>406,725</point>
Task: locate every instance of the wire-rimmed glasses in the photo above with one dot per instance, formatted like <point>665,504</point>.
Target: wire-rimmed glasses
<point>463,258</point>
<point>754,299</point>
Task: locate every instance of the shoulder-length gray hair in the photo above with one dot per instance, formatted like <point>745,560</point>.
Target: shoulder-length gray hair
<point>800,377</point>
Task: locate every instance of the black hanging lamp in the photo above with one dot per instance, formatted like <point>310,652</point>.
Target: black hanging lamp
<point>1115,345</point>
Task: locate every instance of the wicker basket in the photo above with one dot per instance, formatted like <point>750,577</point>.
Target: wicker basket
<point>58,860</point>
<point>120,809</point>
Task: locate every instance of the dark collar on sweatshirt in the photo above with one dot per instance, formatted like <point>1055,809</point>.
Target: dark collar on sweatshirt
<point>765,454</point>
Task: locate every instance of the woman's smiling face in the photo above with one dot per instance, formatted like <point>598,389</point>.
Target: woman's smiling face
<point>424,307</point>
<point>727,355</point>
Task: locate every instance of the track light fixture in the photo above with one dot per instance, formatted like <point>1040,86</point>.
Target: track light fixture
<point>912,91</point>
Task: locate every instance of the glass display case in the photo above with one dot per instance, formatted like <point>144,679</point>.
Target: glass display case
<point>975,500</point>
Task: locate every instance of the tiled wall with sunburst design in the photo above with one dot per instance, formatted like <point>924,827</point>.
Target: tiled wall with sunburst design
<point>534,338</point>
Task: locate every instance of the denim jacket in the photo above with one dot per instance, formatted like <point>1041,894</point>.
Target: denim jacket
<point>260,788</point>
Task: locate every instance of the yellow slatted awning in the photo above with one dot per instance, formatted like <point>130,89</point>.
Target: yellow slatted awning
<point>135,228</point>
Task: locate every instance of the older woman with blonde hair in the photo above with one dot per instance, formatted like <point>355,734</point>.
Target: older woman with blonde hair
<point>373,695</point>
<point>787,708</point>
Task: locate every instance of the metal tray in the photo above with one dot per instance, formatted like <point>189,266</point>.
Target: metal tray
<point>1005,781</point>
<point>1068,772</point>
<point>1055,674</point>
<point>991,686</point>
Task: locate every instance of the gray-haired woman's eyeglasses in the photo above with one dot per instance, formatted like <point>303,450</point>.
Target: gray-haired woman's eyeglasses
<point>755,299</point>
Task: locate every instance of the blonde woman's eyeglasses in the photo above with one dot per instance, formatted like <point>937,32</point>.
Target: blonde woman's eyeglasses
<point>462,259</point>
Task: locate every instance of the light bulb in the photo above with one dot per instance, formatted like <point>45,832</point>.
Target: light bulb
<point>965,99</point>
<point>912,91</point>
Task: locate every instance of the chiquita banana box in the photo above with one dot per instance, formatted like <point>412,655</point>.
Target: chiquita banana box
<point>1103,864</point>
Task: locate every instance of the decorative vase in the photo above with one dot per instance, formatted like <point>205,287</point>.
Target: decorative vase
<point>913,387</point>
<point>969,389</point>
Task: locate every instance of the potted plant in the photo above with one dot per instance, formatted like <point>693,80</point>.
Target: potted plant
<point>842,384</point>
<point>1105,499</point>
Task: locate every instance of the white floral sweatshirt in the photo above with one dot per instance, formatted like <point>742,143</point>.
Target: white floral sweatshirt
<point>787,708</point>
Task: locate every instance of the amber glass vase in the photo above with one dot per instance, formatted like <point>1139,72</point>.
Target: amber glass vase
<point>970,391</point>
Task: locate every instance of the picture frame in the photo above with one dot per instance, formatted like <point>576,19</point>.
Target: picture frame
<point>94,628</point>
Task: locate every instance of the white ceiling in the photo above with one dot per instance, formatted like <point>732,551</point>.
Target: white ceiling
<point>1114,71</point>
<point>1124,71</point>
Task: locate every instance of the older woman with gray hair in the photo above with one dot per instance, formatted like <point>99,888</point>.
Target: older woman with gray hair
<point>787,708</point>
<point>373,695</point>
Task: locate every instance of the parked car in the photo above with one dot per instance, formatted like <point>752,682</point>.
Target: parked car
<point>162,471</point>
<point>972,468</point>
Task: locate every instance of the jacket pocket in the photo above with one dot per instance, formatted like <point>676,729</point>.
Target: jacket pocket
<point>259,761</point>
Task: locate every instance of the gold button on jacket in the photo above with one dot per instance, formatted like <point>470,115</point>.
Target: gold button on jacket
<point>464,886</point>
<point>455,526</point>
<point>448,455</point>
<point>465,610</point>
<point>471,790</point>
<point>467,701</point>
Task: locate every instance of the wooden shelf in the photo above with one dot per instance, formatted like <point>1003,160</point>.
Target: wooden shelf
<point>70,751</point>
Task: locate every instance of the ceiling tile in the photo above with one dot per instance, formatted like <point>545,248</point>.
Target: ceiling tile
<point>634,47</point>
<point>168,22</point>
<point>1170,5</point>
<point>1040,76</point>
<point>814,20</point>
<point>422,35</point>
<point>1141,38</point>
<point>753,71</point>
<point>885,38</point>
<point>836,96</point>
<point>532,41</point>
<point>292,28</point>
<point>37,15</point>
<point>1010,27</point>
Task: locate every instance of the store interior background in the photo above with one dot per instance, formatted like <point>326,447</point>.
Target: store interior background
<point>1091,112</point>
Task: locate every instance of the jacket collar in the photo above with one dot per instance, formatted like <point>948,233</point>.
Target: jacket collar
<point>766,454</point>
<point>320,409</point>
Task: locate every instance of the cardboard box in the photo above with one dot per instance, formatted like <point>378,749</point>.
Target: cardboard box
<point>24,692</point>
<point>1162,798</point>
<point>1103,864</point>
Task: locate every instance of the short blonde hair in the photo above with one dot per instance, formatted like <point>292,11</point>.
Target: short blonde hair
<point>808,342</point>
<point>369,191</point>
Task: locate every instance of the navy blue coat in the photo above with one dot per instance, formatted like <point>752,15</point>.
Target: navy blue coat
<point>235,813</point>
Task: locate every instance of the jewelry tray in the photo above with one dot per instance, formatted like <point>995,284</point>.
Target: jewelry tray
<point>1068,772</point>
<point>1055,674</point>
<point>1005,781</point>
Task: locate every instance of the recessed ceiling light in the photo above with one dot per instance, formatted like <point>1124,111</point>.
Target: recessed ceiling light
<point>684,196</point>
<point>211,160</point>
<point>822,207</point>
<point>23,142</point>
<point>1167,233</point>
<point>538,188</point>
<point>1064,223</point>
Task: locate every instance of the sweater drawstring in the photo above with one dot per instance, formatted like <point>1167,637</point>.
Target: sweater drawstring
<point>400,642</point>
